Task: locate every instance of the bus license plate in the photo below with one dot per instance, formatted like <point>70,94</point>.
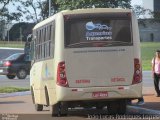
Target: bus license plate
<point>100,94</point>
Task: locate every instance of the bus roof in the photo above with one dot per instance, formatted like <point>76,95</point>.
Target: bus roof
<point>80,11</point>
<point>94,10</point>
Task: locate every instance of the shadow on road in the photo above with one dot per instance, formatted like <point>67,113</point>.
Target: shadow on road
<point>86,112</point>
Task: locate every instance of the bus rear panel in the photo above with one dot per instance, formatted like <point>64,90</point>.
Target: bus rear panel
<point>99,57</point>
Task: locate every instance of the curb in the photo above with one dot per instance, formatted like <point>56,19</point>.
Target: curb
<point>8,48</point>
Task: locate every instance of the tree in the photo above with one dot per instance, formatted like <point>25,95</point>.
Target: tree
<point>5,14</point>
<point>36,6</point>
<point>76,4</point>
<point>58,5</point>
<point>45,8</point>
<point>20,28</point>
<point>3,5</point>
<point>31,13</point>
<point>2,22</point>
<point>141,12</point>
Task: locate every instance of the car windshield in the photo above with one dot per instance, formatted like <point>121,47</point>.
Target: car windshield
<point>14,56</point>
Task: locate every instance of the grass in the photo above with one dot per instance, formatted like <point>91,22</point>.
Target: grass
<point>147,53</point>
<point>12,89</point>
<point>12,44</point>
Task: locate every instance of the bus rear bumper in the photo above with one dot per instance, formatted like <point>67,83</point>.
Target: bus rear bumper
<point>99,93</point>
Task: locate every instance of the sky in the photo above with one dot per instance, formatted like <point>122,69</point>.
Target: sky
<point>136,2</point>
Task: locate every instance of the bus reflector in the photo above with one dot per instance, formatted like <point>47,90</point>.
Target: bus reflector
<point>74,90</point>
<point>61,75</point>
<point>137,77</point>
<point>121,88</point>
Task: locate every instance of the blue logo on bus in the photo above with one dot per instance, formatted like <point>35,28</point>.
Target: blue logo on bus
<point>92,26</point>
<point>46,71</point>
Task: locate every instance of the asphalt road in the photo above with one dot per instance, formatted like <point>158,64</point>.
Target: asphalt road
<point>24,108</point>
<point>22,83</point>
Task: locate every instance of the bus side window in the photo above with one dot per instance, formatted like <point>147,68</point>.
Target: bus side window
<point>52,43</point>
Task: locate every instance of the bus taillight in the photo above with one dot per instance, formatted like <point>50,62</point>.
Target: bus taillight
<point>137,77</point>
<point>61,75</point>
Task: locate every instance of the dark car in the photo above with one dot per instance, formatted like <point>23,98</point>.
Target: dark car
<point>15,65</point>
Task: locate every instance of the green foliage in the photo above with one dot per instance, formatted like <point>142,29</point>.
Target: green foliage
<point>4,12</point>
<point>12,89</point>
<point>78,4</point>
<point>31,13</point>
<point>12,44</point>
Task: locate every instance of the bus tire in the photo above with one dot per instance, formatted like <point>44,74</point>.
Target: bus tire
<point>112,108</point>
<point>99,107</point>
<point>32,93</point>
<point>122,107</point>
<point>47,96</point>
<point>38,107</point>
<point>64,108</point>
<point>59,109</point>
<point>56,110</point>
<point>117,107</point>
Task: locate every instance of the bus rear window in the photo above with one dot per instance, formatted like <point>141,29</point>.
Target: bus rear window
<point>97,31</point>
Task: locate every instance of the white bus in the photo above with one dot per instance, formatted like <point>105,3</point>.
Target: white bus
<point>87,58</point>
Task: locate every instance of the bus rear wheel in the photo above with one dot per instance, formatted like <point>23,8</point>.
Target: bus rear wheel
<point>59,109</point>
<point>117,107</point>
<point>99,107</point>
<point>38,107</point>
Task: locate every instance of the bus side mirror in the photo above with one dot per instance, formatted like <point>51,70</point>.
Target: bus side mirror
<point>27,48</point>
<point>29,38</point>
